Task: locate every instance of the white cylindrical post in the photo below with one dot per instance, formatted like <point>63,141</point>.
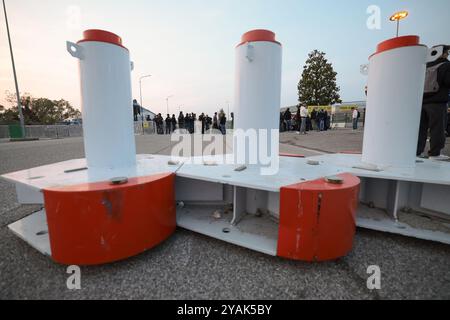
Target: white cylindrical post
<point>105,76</point>
<point>394,100</point>
<point>257,95</point>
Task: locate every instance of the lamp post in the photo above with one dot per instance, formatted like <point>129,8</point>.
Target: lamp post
<point>228,113</point>
<point>140,93</point>
<point>167,102</point>
<point>19,104</point>
<point>397,17</point>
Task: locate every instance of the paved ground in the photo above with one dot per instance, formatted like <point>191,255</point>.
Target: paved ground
<point>191,266</point>
<point>333,141</point>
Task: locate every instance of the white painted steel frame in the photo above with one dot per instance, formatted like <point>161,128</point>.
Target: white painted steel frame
<point>211,188</point>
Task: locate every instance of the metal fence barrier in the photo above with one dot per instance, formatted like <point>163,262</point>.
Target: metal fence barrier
<point>344,120</point>
<point>4,132</point>
<point>66,131</point>
<point>46,132</point>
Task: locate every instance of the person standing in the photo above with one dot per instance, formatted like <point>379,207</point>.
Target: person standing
<point>136,109</point>
<point>174,123</point>
<point>168,124</point>
<point>288,119</point>
<point>202,119</point>
<point>232,120</point>
<point>208,122</point>
<point>193,121</point>
<point>215,121</point>
<point>222,122</point>
<point>355,114</point>
<point>315,125</point>
<point>321,119</point>
<point>303,116</point>
<point>434,106</point>
<point>159,123</point>
<point>181,120</point>
<point>187,122</point>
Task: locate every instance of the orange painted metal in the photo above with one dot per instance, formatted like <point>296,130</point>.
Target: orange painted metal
<point>291,155</point>
<point>99,223</point>
<point>102,36</point>
<point>350,152</point>
<point>399,42</point>
<point>258,35</point>
<point>318,219</point>
<point>395,43</point>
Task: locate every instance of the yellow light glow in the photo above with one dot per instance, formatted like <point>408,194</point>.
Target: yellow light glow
<point>399,15</point>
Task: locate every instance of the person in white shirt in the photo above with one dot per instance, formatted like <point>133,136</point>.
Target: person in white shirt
<point>303,116</point>
<point>355,117</point>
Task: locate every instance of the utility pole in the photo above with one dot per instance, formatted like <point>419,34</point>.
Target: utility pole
<point>167,102</point>
<point>398,27</point>
<point>19,104</point>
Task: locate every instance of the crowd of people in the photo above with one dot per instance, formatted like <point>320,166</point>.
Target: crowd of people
<point>186,121</point>
<point>302,121</point>
<point>434,121</point>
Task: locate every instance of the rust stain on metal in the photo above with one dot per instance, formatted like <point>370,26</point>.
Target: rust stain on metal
<point>112,200</point>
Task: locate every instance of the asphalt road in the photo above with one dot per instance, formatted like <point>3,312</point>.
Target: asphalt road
<point>192,266</point>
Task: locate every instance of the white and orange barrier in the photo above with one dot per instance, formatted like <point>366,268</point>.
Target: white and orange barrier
<point>114,204</point>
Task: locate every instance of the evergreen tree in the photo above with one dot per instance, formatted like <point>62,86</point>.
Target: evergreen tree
<point>317,85</point>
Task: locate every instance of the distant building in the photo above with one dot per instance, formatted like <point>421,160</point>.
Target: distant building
<point>338,107</point>
<point>146,113</point>
<point>361,105</point>
<point>293,109</point>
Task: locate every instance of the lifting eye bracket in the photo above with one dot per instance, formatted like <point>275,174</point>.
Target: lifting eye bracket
<point>75,50</point>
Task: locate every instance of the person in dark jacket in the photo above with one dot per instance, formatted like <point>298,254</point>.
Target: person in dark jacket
<point>222,122</point>
<point>215,121</point>
<point>173,123</point>
<point>434,110</point>
<point>232,120</point>
<point>288,119</point>
<point>193,120</point>
<point>190,122</point>
<point>159,123</point>
<point>168,124</point>
<point>314,123</point>
<point>208,122</point>
<point>181,120</point>
<point>136,109</point>
<point>187,122</point>
<point>202,119</point>
<point>321,119</point>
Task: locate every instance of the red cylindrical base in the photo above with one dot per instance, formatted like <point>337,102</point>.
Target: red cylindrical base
<point>318,219</point>
<point>99,223</point>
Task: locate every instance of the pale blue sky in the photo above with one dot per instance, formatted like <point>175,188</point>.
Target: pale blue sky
<point>188,46</point>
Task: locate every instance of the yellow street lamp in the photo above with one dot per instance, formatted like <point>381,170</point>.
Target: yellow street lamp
<point>399,16</point>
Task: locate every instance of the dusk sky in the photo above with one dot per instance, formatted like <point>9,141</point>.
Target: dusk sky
<point>188,46</point>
